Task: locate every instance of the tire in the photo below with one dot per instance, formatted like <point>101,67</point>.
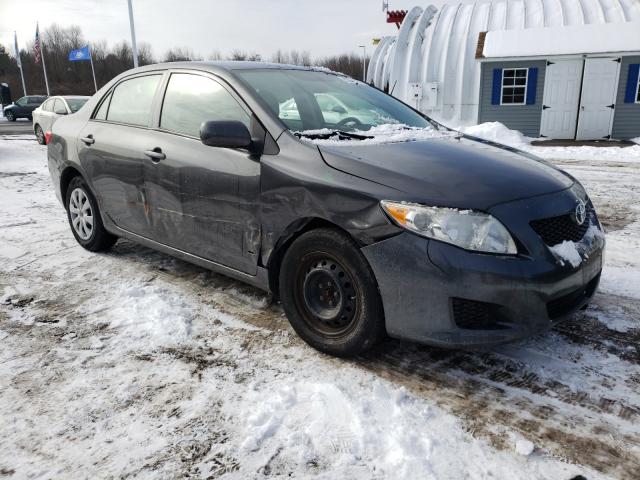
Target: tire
<point>40,135</point>
<point>10,116</point>
<point>90,235</point>
<point>330,294</point>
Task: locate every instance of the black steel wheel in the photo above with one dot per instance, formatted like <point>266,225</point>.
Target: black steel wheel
<point>330,295</point>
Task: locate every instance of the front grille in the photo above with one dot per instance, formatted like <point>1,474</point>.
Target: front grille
<point>566,304</point>
<point>556,230</point>
<point>474,315</point>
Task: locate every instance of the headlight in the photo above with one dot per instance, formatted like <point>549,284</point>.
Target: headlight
<point>465,228</point>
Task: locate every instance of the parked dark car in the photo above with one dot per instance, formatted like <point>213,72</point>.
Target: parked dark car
<point>23,107</point>
<point>373,225</point>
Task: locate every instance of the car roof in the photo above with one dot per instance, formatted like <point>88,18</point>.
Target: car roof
<point>229,66</point>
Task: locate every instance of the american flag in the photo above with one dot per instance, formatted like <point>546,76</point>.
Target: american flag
<point>36,46</point>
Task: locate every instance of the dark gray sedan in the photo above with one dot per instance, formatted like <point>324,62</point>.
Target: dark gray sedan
<point>363,225</point>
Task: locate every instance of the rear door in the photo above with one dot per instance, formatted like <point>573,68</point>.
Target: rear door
<point>598,98</point>
<point>204,200</point>
<point>561,98</point>
<point>111,150</point>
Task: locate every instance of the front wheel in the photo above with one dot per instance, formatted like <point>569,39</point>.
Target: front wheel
<point>330,294</point>
<point>10,116</point>
<point>84,217</point>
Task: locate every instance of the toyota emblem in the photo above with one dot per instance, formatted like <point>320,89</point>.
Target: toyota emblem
<point>581,212</point>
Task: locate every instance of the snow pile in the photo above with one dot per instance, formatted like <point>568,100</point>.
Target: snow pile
<point>524,447</point>
<point>386,133</point>
<point>151,315</point>
<point>371,427</point>
<point>497,132</point>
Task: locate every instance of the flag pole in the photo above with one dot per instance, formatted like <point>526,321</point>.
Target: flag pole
<point>95,84</point>
<point>15,44</point>
<point>44,67</point>
<point>134,47</point>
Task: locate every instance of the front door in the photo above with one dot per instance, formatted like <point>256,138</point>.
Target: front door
<point>598,98</point>
<point>561,98</point>
<point>203,200</point>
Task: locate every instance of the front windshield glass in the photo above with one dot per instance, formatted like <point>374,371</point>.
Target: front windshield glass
<point>76,104</point>
<point>315,101</point>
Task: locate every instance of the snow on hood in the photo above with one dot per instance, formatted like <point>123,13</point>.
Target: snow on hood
<point>386,133</point>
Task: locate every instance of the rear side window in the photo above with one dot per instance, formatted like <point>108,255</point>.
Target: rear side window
<point>59,106</point>
<point>101,114</point>
<point>193,99</point>
<point>131,100</point>
<point>48,105</point>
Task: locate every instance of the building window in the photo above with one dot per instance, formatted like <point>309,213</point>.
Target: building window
<point>514,86</point>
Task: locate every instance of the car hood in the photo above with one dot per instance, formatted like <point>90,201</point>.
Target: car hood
<point>459,172</point>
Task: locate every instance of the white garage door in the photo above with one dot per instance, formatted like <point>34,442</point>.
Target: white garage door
<point>561,98</point>
<point>598,98</point>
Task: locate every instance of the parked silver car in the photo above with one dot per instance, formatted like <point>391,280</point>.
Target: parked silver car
<point>46,114</point>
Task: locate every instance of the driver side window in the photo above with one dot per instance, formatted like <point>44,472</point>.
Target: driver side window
<point>22,102</point>
<point>191,99</point>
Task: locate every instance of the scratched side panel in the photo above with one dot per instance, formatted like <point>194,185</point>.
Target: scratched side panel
<point>204,200</point>
<point>297,185</point>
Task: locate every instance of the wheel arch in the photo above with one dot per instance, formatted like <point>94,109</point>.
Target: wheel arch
<point>291,233</point>
<point>66,176</point>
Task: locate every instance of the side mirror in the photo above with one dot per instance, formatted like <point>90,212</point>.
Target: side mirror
<point>225,134</point>
<point>60,111</point>
<point>339,109</point>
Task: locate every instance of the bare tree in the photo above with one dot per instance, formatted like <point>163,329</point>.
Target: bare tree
<point>215,55</point>
<point>179,54</point>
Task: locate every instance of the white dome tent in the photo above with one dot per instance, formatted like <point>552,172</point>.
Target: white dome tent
<point>442,62</point>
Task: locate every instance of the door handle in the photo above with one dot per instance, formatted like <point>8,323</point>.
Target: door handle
<point>155,155</point>
<point>88,140</point>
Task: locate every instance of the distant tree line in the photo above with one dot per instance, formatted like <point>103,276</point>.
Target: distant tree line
<point>67,77</point>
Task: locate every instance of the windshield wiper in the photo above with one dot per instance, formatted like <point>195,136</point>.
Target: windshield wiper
<point>333,135</point>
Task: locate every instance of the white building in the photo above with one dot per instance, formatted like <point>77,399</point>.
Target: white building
<point>555,68</point>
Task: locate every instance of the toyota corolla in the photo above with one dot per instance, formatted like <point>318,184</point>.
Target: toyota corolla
<point>363,226</point>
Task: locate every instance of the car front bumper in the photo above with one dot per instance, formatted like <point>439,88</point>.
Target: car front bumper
<point>430,288</point>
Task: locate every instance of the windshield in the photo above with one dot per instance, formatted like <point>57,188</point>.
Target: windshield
<point>76,103</point>
<point>313,100</point>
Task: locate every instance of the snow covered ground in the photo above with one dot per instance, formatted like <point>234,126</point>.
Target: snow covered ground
<point>135,364</point>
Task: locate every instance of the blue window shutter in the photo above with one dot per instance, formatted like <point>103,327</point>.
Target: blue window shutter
<point>497,85</point>
<point>632,83</point>
<point>532,84</point>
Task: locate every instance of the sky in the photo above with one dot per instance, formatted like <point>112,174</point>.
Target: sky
<point>323,27</point>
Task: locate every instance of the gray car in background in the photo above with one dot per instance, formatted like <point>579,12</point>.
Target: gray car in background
<point>50,111</point>
<point>362,227</point>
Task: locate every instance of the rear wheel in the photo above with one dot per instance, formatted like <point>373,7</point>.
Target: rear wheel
<point>330,294</point>
<point>84,217</point>
<point>40,135</point>
<point>10,116</point>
